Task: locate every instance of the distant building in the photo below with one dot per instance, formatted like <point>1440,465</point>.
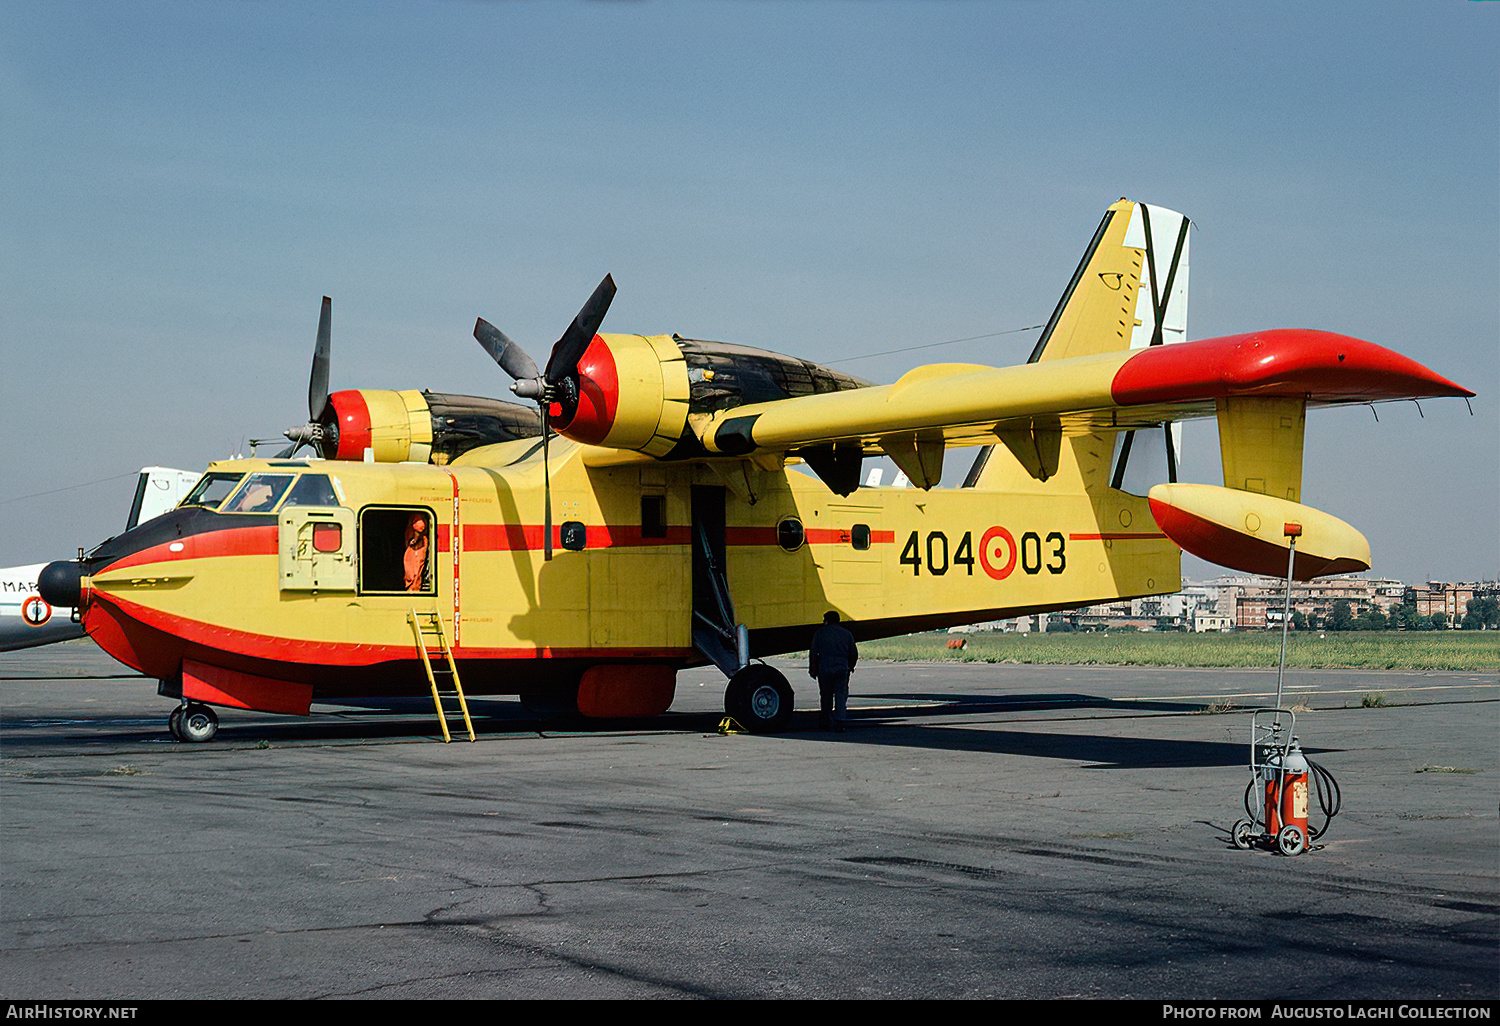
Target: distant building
<point>1452,600</point>
<point>1241,602</point>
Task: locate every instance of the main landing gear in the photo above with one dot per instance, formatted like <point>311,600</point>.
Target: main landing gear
<point>193,722</point>
<point>760,698</point>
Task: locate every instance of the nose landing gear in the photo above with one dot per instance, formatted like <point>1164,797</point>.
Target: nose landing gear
<point>193,722</point>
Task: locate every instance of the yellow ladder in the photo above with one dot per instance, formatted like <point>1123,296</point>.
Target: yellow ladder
<point>430,625</point>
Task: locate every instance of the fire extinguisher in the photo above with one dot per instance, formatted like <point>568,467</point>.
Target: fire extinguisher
<point>1286,799</point>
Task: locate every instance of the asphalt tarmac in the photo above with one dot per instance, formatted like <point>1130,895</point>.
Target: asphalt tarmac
<point>979,831</point>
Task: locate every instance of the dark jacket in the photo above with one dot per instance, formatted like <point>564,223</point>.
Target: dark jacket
<point>833,651</point>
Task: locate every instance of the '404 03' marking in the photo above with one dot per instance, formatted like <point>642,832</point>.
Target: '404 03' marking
<point>997,555</point>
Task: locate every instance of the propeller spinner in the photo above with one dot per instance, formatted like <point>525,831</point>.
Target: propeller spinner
<point>558,385</point>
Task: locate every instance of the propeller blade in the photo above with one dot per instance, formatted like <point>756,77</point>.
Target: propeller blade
<point>563,362</point>
<point>504,351</point>
<point>317,384</point>
<point>289,451</point>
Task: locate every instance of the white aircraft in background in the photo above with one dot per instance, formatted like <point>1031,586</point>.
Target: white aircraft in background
<point>26,619</point>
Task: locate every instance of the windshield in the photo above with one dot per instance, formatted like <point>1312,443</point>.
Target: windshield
<point>211,490</point>
<point>259,493</point>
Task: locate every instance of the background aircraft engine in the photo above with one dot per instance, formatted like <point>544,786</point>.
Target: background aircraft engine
<point>418,426</point>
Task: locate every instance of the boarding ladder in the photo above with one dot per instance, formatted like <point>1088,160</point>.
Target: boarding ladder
<point>425,626</point>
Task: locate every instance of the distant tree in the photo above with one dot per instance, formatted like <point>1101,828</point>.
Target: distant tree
<point>1371,619</point>
<point>1404,617</point>
<point>1339,617</point>
<point>1439,621</point>
<point>1482,614</point>
<point>1299,622</point>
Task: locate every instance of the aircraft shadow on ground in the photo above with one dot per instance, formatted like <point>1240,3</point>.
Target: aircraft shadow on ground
<point>905,726</point>
<point>1095,751</point>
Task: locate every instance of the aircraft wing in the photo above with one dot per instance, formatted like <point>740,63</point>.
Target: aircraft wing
<point>960,404</point>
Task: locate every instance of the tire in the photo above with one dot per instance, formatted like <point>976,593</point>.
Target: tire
<point>198,724</point>
<point>1242,834</point>
<point>760,698</point>
<point>1290,841</point>
<point>174,723</point>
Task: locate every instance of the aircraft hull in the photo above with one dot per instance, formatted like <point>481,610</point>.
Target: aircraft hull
<point>201,597</point>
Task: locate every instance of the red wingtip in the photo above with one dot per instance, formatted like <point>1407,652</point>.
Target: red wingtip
<point>1320,365</point>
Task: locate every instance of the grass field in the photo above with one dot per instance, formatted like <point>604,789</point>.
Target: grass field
<point>1383,650</point>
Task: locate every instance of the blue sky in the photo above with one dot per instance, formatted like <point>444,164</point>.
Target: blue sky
<point>184,181</point>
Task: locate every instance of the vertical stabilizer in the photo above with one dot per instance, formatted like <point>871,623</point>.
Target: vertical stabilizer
<point>1130,290</point>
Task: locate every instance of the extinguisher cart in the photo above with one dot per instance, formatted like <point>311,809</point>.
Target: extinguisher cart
<point>1276,798</point>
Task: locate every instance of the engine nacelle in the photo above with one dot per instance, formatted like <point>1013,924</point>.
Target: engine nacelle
<point>632,394</point>
<point>639,392</point>
<point>413,426</point>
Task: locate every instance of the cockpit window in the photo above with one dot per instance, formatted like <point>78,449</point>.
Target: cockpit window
<point>258,494</point>
<point>211,489</point>
<point>312,490</point>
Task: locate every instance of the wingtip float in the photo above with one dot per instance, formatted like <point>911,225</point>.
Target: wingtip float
<point>680,534</point>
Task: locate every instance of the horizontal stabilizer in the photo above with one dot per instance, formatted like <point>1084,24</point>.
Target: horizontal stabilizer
<point>1248,531</point>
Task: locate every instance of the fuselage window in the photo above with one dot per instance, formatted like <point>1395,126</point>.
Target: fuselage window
<point>258,494</point>
<point>859,536</point>
<point>211,490</point>
<point>789,534</point>
<point>312,490</point>
<point>396,551</point>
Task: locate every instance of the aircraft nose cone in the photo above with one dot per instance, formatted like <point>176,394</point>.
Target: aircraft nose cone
<point>60,583</point>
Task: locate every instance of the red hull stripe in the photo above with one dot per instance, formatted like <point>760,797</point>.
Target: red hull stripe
<point>260,540</point>
<point>1119,536</point>
<point>514,537</point>
<point>814,535</point>
<point>308,652</point>
<point>519,537</point>
<point>263,540</point>
<point>1319,365</point>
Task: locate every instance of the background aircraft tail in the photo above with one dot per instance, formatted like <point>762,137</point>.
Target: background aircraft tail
<point>26,620</point>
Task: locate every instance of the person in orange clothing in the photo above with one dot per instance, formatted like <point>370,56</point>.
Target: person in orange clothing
<point>414,553</point>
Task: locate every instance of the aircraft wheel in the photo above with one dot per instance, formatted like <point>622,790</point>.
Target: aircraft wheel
<point>1242,833</point>
<point>198,723</point>
<point>1290,841</point>
<point>174,723</point>
<point>760,698</point>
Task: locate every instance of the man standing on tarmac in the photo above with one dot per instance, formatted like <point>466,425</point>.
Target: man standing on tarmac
<point>830,660</point>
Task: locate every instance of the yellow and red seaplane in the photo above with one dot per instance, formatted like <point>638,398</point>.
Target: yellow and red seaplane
<point>647,514</point>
